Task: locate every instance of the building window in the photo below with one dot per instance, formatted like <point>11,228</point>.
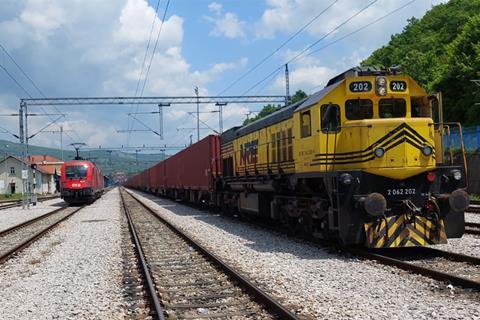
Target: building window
<point>12,171</point>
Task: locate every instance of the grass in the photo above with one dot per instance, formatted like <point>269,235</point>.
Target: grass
<point>474,196</point>
<point>15,196</point>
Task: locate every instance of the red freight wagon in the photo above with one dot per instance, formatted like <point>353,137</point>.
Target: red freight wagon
<point>187,175</point>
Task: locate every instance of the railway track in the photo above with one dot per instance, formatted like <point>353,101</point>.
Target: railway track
<point>185,280</point>
<point>472,228</point>
<point>18,237</point>
<point>473,209</point>
<point>457,269</point>
<point>18,203</point>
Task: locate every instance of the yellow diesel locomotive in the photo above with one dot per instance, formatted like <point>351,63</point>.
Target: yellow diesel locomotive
<point>362,161</point>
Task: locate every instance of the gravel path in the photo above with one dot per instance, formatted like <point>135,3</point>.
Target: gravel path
<point>16,215</point>
<point>75,272</point>
<point>316,283</point>
<point>472,217</point>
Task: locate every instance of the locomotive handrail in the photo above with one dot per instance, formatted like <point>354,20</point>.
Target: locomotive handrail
<point>462,145</point>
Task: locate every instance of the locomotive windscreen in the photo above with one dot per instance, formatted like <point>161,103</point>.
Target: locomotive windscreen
<point>75,172</point>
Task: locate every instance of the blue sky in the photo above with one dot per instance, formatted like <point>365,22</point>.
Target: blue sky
<point>96,48</point>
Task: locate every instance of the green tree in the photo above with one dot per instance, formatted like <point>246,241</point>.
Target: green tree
<point>439,52</point>
<point>454,79</point>
<point>270,108</point>
<point>299,95</point>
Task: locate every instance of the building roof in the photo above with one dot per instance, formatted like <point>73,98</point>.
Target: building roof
<point>43,158</point>
<point>46,163</point>
<point>39,168</point>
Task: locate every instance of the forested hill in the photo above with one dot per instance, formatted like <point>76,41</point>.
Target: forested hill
<point>442,52</point>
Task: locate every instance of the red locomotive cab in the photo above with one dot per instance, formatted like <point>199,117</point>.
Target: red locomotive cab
<point>81,182</point>
<point>76,176</point>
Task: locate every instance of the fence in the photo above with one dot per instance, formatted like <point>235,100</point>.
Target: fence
<point>471,139</point>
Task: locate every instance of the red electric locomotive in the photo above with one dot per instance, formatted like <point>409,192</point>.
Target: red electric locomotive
<point>81,182</point>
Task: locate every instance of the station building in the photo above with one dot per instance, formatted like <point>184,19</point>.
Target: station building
<point>44,170</point>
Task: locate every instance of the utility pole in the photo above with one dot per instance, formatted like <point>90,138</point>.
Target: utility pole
<point>160,117</point>
<point>61,131</point>
<point>198,114</point>
<point>288,99</point>
<point>136,156</point>
<point>110,157</point>
<point>220,105</point>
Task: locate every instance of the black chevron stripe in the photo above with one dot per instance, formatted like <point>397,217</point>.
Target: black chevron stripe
<point>333,156</point>
<point>403,127</point>
<point>399,139</point>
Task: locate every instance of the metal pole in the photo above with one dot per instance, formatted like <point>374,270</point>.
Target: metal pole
<point>160,118</point>
<point>21,134</point>
<point>198,114</point>
<point>220,119</point>
<point>61,140</point>
<point>220,115</point>
<point>287,86</point>
<point>6,167</point>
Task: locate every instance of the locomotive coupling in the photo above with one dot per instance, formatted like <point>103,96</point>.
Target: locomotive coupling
<point>374,204</point>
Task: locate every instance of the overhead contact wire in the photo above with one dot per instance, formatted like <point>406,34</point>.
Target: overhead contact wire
<point>311,45</point>
<point>278,48</point>
<point>130,123</point>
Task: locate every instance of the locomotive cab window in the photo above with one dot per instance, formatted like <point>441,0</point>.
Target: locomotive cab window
<point>330,118</point>
<point>358,109</point>
<point>306,124</point>
<point>392,108</point>
<point>420,108</point>
<point>75,172</point>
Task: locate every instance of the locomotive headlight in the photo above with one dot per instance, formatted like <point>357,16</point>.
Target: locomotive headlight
<point>379,152</point>
<point>427,150</point>
<point>381,86</point>
<point>456,174</point>
<point>346,179</point>
<point>381,81</point>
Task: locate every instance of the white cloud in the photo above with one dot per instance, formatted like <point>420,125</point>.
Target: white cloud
<point>215,7</point>
<point>92,48</point>
<point>287,16</point>
<point>227,25</point>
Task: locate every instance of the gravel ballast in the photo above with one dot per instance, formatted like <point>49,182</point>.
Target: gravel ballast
<point>13,216</point>
<point>74,272</point>
<point>316,283</point>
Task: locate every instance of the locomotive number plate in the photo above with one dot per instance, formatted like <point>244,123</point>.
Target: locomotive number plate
<point>398,86</point>
<point>360,86</point>
<point>401,192</point>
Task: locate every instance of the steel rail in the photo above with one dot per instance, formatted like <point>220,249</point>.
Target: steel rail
<point>5,256</point>
<point>472,228</point>
<point>261,296</point>
<point>152,292</point>
<point>28,222</point>
<point>18,203</point>
<point>473,209</point>
<point>433,274</point>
